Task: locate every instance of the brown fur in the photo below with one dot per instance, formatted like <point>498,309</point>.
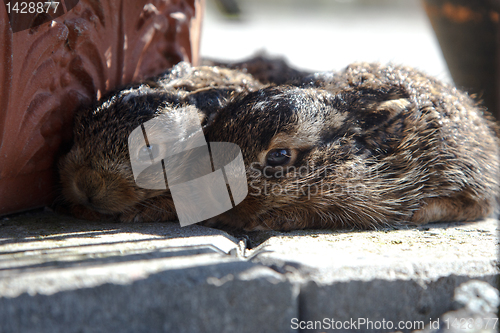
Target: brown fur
<point>400,147</point>
<point>378,145</point>
<point>96,174</point>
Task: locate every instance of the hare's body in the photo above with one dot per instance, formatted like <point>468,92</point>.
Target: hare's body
<point>372,145</point>
<point>96,175</point>
<point>369,146</point>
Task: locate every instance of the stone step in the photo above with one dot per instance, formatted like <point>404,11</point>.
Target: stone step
<point>59,274</point>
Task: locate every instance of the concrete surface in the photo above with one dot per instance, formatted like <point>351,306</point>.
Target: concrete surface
<point>59,274</point>
<point>475,304</point>
<point>408,274</point>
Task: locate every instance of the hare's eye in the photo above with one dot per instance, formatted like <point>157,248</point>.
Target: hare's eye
<point>277,157</point>
<point>146,153</point>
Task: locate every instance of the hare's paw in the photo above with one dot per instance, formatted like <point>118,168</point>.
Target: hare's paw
<point>459,208</point>
<point>82,212</point>
<point>131,217</point>
<point>151,211</point>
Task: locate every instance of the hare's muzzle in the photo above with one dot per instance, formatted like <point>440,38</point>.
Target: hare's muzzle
<point>103,192</point>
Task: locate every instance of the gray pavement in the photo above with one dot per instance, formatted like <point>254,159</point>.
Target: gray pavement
<point>59,274</point>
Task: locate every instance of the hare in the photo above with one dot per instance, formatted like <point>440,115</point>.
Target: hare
<point>366,147</point>
<point>96,175</point>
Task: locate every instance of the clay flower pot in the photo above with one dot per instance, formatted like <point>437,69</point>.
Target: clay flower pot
<point>468,34</point>
<point>47,70</point>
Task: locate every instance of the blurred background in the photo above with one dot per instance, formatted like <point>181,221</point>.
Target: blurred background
<point>322,35</point>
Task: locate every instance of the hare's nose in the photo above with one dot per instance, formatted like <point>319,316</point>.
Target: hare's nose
<point>89,186</point>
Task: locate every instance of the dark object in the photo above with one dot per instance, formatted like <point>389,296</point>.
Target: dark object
<point>265,68</point>
<point>229,8</point>
<point>468,35</point>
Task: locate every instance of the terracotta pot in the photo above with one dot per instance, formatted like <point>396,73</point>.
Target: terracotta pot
<point>49,69</point>
<point>467,32</point>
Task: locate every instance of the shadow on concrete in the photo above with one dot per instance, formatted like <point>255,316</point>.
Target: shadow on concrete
<point>41,240</point>
<point>40,226</point>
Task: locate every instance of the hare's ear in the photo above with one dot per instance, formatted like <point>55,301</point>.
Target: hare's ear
<point>209,102</point>
<point>376,111</point>
<point>386,113</point>
<point>381,119</point>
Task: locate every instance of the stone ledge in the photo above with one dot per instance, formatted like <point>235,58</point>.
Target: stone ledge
<point>423,253</point>
<point>59,274</point>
